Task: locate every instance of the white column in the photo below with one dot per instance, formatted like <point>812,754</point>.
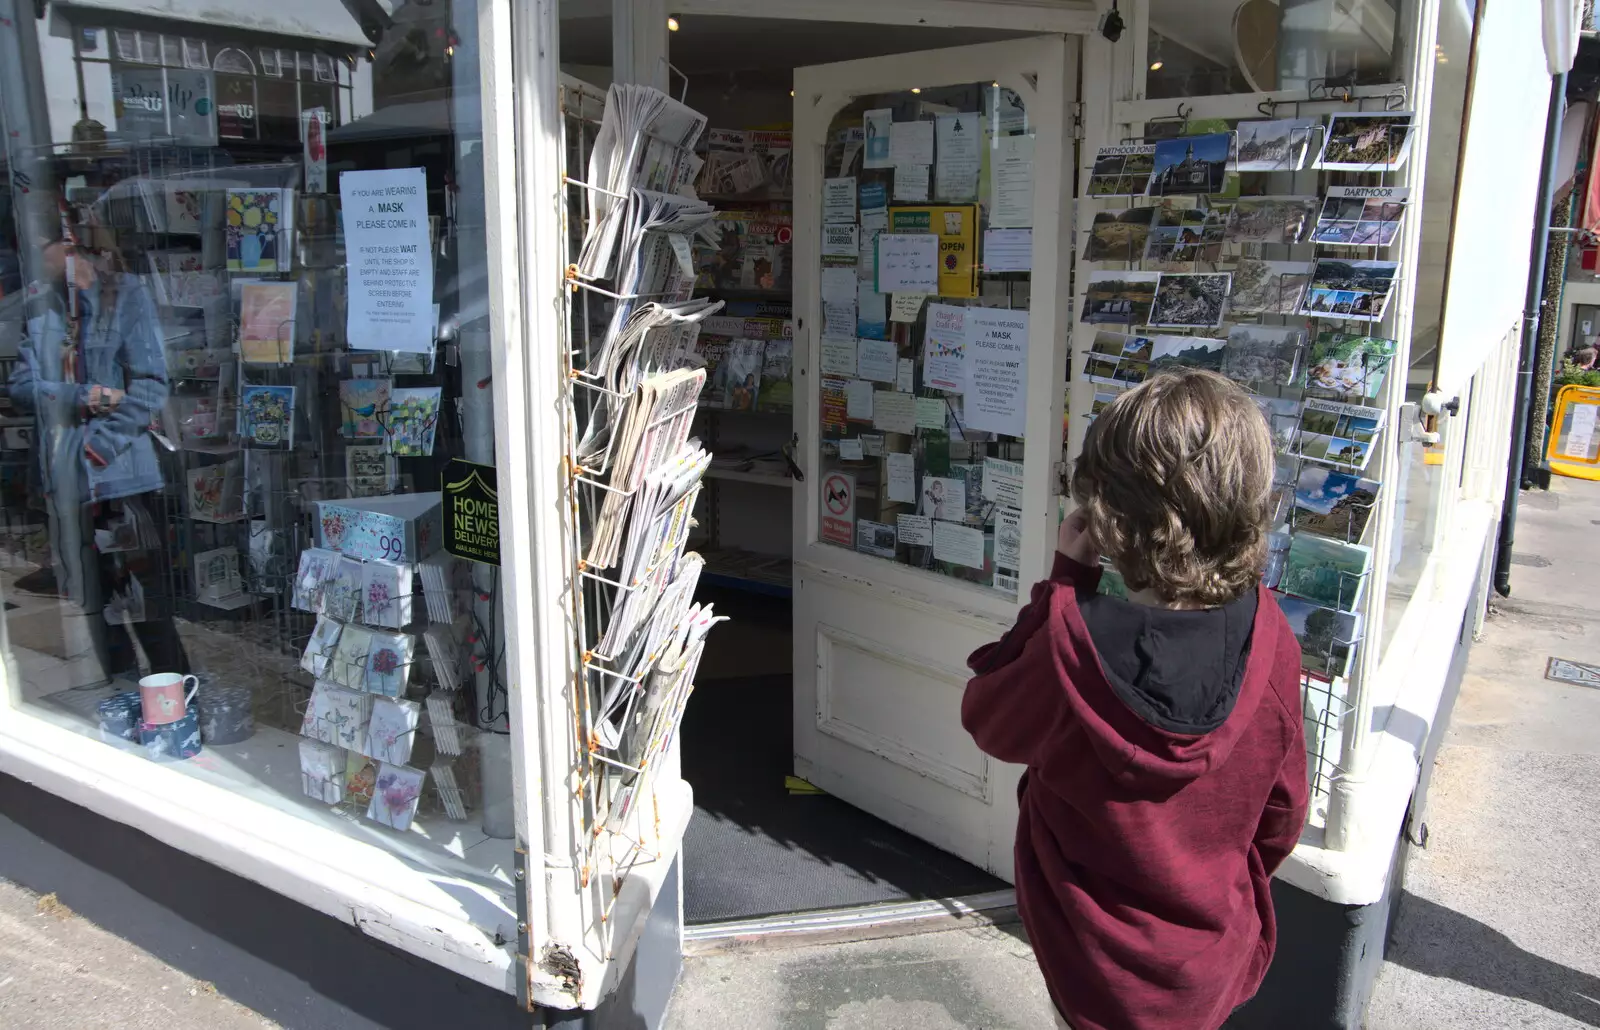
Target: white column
<point>639,42</point>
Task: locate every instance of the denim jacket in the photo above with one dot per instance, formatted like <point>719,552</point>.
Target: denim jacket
<point>121,348</point>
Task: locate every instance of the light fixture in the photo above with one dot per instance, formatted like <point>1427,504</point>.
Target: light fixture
<point>1155,66</point>
<point>791,92</point>
<point>916,89</point>
<point>995,84</point>
<point>672,23</point>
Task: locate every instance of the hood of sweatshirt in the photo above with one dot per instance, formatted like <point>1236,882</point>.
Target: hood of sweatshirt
<point>1159,688</point>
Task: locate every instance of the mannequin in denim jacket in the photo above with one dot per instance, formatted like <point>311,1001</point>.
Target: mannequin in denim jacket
<point>94,395</point>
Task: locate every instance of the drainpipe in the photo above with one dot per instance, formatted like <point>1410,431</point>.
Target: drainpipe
<point>1530,338</point>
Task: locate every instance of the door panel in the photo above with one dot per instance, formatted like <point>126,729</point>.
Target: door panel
<point>929,425</point>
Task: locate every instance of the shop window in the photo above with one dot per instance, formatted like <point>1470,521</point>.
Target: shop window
<point>228,422</point>
<point>1264,45</point>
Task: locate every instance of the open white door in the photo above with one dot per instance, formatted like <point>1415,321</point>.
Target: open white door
<point>902,565</point>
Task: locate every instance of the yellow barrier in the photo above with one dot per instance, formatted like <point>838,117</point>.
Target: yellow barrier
<point>1574,445</point>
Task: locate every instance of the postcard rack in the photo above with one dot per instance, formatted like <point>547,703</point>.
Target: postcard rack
<point>635,649</point>
<point>1329,654</point>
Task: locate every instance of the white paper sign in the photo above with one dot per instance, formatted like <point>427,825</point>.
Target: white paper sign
<point>905,371</point>
<point>1007,250</point>
<point>911,183</point>
<point>997,373</point>
<point>944,348</point>
<point>878,125</point>
<point>850,450</point>
<point>894,412</point>
<point>930,413</point>
<point>1580,437</point>
<point>872,444</point>
<point>915,529</point>
<point>903,307</point>
<point>872,311</point>
<point>838,285</point>
<point>1007,539</point>
<point>958,544</point>
<point>911,143</point>
<point>841,241</point>
<point>944,498</point>
<point>839,199</point>
<point>1002,483</point>
<point>389,260</point>
<point>875,538</point>
<point>839,357</point>
<point>955,173</point>
<point>902,478</point>
<point>908,263</point>
<point>1011,182</point>
<point>858,400</point>
<point>875,360</point>
<point>839,321</point>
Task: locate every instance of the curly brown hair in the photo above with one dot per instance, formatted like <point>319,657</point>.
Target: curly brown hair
<point>1175,482</point>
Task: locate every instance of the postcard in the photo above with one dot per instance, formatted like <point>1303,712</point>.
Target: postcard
<point>413,420</point>
<point>1333,503</point>
<point>368,470</point>
<point>1348,365</point>
<point>1280,220</point>
<point>1182,236</point>
<point>1326,635</point>
<point>386,594</point>
<point>267,322</point>
<point>1330,572</point>
<point>321,647</point>
<point>1118,358</point>
<point>364,407</point>
<point>1265,355</point>
<point>392,730</point>
<point>255,237</point>
<point>877,538</point>
<point>1339,434</point>
<point>1119,235</point>
<point>1366,141</point>
<point>1357,290</point>
<point>1190,300</point>
<point>1188,351</point>
<point>1276,146</point>
<point>944,498</point>
<point>216,492</point>
<point>1122,170</point>
<point>1361,216</point>
<point>395,797</point>
<point>389,663</point>
<point>1119,297</point>
<point>1268,287</point>
<point>316,565</point>
<point>266,416</point>
<point>1283,418</point>
<point>1102,399</point>
<point>1191,164</point>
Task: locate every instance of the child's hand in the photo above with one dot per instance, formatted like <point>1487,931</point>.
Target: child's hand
<point>1073,540</point>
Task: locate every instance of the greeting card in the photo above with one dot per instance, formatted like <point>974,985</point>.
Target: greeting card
<point>360,776</point>
<point>392,729</point>
<point>389,663</point>
<point>349,665</point>
<point>386,595</point>
<point>316,565</point>
<point>341,590</point>
<point>216,492</point>
<point>337,716</point>
<point>257,230</point>
<point>413,419</point>
<point>364,407</point>
<point>266,416</point>
<point>322,771</point>
<point>321,647</point>
<point>368,470</point>
<point>394,801</point>
<point>266,322</point>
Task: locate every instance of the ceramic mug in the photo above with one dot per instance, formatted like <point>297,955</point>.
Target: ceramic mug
<point>163,698</point>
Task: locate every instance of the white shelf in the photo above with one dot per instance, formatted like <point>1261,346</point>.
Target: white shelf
<point>757,477</point>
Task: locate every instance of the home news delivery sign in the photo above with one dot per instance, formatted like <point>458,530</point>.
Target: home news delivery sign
<point>471,512</point>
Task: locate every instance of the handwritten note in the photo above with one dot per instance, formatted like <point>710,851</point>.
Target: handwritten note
<point>905,371</point>
<point>838,321</point>
<point>911,143</point>
<point>839,357</point>
<point>850,450</point>
<point>911,183</point>
<point>858,400</point>
<point>838,285</point>
<point>875,360</point>
<point>915,529</point>
<point>902,478</point>
<point>908,263</point>
<point>894,412</point>
<point>903,307</point>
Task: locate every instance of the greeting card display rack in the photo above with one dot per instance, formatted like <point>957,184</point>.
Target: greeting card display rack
<point>1326,694</point>
<point>630,698</point>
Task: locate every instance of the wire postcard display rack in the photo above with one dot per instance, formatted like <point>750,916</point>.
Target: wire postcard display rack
<point>1317,390</point>
<point>632,387</point>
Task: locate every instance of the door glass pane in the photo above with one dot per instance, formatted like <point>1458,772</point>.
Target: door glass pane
<point>927,208</point>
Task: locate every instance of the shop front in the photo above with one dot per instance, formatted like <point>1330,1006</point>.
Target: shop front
<point>432,389</point>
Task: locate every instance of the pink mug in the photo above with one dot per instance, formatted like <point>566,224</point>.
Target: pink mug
<point>162,696</point>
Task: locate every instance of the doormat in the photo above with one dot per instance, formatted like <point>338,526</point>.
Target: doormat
<point>1563,671</point>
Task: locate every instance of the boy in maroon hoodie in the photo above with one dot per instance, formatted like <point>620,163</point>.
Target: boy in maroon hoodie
<point>1162,733</point>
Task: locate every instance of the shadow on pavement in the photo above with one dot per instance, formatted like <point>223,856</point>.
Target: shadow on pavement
<point>1437,941</point>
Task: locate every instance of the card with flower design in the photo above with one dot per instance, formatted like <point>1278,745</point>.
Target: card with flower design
<point>394,800</point>
<point>337,716</point>
<point>386,595</point>
<point>321,647</point>
<point>341,590</point>
<point>392,730</point>
<point>257,231</point>
<point>266,416</point>
<point>349,665</point>
<point>316,565</point>
<point>364,405</point>
<point>389,663</point>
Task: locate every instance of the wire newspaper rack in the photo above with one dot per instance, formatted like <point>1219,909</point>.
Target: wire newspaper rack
<point>637,638</point>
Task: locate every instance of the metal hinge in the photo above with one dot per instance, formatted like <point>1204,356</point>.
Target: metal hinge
<point>1077,119</point>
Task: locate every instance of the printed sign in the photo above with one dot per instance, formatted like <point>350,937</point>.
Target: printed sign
<point>390,260</point>
<point>471,512</point>
<point>839,509</point>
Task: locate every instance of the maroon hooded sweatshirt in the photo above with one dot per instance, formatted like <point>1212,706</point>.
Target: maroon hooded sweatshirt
<point>1166,781</point>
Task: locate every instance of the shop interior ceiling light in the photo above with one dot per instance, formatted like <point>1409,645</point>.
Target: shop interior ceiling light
<point>673,24</point>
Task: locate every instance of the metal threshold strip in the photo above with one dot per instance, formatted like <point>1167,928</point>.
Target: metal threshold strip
<point>836,920</point>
